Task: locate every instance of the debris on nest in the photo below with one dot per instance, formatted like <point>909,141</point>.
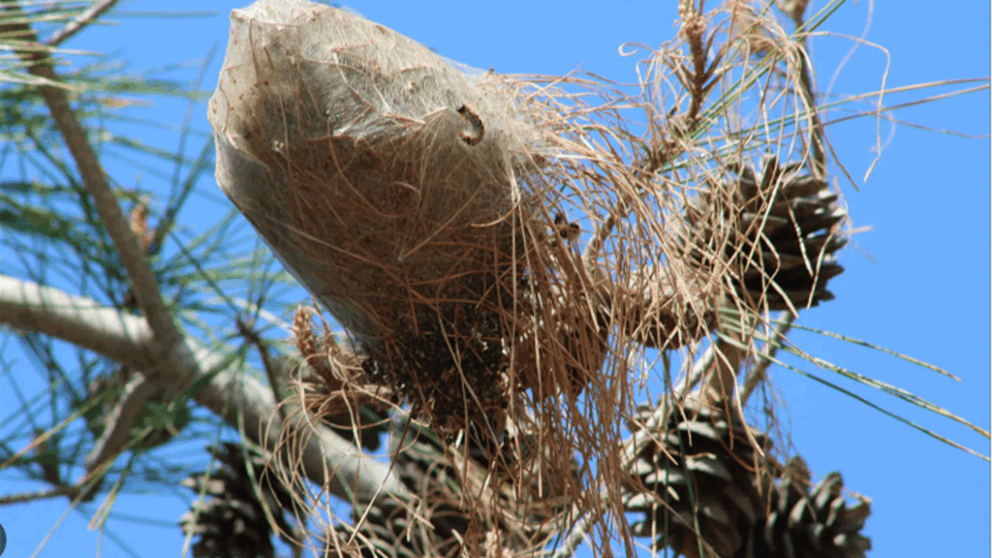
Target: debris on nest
<point>458,510</point>
<point>333,387</point>
<point>452,365</point>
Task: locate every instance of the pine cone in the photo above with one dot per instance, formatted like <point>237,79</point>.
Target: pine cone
<point>777,229</point>
<point>804,523</point>
<point>233,523</point>
<point>701,473</point>
<point>699,463</point>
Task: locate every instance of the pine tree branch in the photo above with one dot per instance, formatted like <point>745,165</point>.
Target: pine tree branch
<point>271,371</point>
<point>129,248</point>
<point>24,497</point>
<point>136,393</point>
<point>238,398</point>
<point>757,372</point>
<point>79,22</point>
<point>94,178</point>
<point>117,335</point>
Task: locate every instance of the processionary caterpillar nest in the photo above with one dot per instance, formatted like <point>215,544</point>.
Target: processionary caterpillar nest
<point>391,185</point>
<point>484,236</point>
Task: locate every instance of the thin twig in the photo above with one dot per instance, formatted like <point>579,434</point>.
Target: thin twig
<point>757,372</point>
<point>819,166</point>
<point>133,398</point>
<point>24,497</point>
<point>270,368</point>
<point>80,21</point>
<point>696,373</point>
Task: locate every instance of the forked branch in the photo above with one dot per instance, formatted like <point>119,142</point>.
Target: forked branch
<point>144,286</point>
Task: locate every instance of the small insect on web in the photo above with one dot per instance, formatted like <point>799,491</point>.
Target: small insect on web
<point>478,129</point>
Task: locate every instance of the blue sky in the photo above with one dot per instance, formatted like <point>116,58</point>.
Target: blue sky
<point>917,282</point>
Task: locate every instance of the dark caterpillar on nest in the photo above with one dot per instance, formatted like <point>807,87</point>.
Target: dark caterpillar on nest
<point>478,130</point>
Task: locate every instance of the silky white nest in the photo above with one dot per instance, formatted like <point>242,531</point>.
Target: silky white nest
<point>372,167</point>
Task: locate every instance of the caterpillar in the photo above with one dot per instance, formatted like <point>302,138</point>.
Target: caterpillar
<point>474,135</point>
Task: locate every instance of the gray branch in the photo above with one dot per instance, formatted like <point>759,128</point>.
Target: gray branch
<point>94,178</point>
<point>240,399</point>
<point>139,272</point>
